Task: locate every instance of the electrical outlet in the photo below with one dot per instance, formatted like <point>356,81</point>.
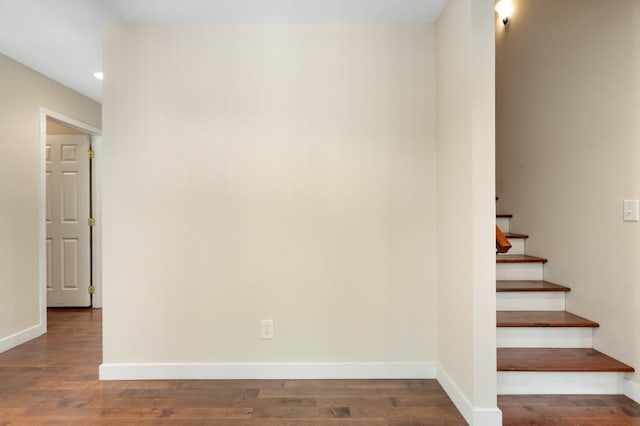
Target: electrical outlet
<point>266,329</point>
<point>631,210</point>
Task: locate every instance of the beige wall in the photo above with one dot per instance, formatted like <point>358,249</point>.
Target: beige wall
<point>454,169</point>
<point>22,93</point>
<point>465,207</point>
<point>269,172</point>
<point>567,86</point>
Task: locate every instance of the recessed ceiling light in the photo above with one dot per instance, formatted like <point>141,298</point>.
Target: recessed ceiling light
<point>99,75</point>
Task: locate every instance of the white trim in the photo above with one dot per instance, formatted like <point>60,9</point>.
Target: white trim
<point>42,202</point>
<point>487,417</point>
<point>21,337</point>
<point>70,122</point>
<point>544,337</point>
<point>42,219</point>
<point>96,200</point>
<point>504,223</point>
<point>560,382</point>
<point>473,415</point>
<point>530,301</point>
<point>517,247</point>
<point>229,371</point>
<point>455,394</point>
<point>519,271</point>
<point>632,390</point>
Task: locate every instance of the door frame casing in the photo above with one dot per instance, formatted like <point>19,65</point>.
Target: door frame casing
<point>96,259</point>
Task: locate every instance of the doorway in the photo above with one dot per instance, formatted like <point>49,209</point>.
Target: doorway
<point>70,263</point>
<point>68,216</point>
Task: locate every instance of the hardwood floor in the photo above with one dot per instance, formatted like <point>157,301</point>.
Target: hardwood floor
<point>53,380</point>
<point>569,410</point>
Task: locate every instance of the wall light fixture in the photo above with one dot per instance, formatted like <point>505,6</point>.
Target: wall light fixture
<point>504,9</point>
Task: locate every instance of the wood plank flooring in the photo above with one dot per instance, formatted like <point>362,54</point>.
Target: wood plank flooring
<point>53,380</point>
<point>568,410</point>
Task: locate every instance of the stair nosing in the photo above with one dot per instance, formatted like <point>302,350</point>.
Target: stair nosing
<point>614,366</point>
<point>520,258</point>
<point>536,286</point>
<point>516,236</point>
<point>582,322</point>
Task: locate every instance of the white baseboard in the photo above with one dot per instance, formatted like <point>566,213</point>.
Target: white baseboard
<point>474,416</point>
<point>21,337</point>
<point>264,371</point>
<point>632,390</point>
<point>487,417</point>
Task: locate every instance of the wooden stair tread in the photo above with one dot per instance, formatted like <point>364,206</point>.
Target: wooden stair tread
<point>514,235</point>
<point>519,258</point>
<point>507,216</point>
<point>528,285</point>
<point>558,359</point>
<point>542,319</point>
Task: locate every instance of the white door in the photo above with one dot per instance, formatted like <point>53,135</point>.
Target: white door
<point>68,233</point>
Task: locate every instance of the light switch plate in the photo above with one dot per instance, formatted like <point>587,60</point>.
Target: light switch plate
<point>631,210</point>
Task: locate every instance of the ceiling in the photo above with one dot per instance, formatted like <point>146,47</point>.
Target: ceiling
<point>62,39</point>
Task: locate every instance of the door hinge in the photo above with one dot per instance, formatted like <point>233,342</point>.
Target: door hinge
<point>91,154</point>
<point>91,289</point>
<point>91,221</point>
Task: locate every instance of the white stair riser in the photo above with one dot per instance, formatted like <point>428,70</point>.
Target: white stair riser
<point>517,246</point>
<point>530,301</point>
<point>558,383</point>
<point>519,271</point>
<point>503,223</point>
<point>545,337</point>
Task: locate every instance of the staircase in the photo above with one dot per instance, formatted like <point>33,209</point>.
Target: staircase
<point>542,348</point>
